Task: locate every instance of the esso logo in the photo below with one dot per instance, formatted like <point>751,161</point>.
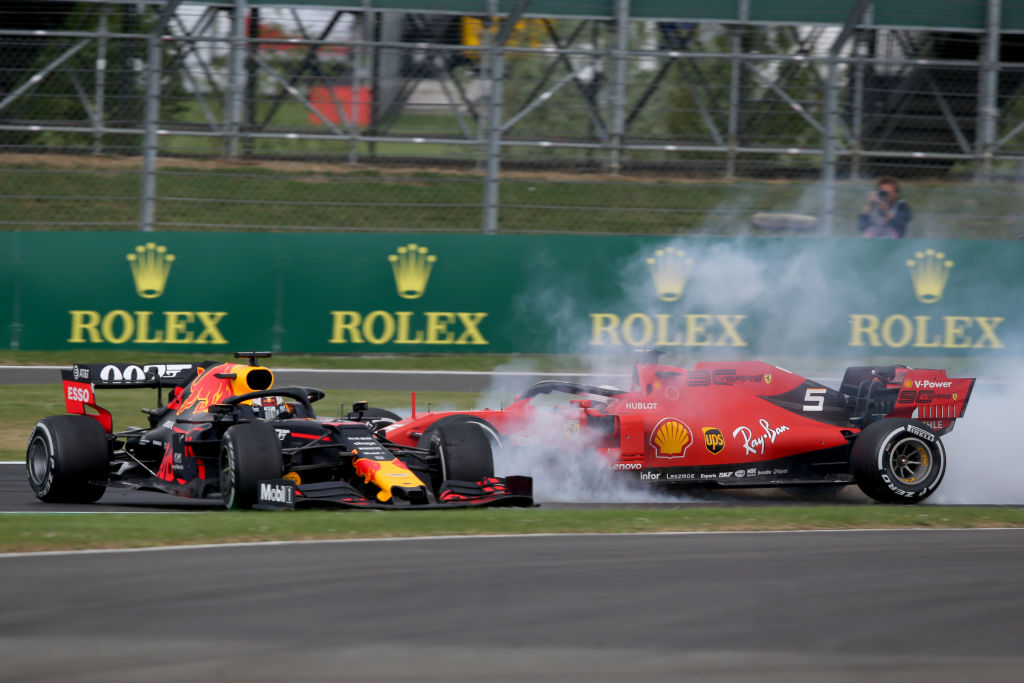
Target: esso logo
<point>81,394</point>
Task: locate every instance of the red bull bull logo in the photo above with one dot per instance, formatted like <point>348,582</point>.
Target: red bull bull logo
<point>366,468</point>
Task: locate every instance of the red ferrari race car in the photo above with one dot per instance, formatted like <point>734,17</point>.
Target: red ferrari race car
<point>226,432</point>
<point>741,424</point>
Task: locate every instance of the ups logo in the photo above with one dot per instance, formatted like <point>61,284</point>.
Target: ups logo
<point>714,440</point>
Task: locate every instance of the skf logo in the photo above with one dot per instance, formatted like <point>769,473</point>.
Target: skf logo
<point>929,271</point>
<point>671,438</point>
<point>669,269</point>
<point>411,266</point>
<point>714,440</point>
<point>150,264</point>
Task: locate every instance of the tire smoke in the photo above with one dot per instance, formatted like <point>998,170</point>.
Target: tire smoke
<point>984,457</point>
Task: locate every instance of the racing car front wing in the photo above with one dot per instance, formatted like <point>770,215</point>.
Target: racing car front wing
<point>284,494</point>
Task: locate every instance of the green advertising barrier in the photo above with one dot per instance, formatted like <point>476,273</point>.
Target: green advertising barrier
<point>394,293</point>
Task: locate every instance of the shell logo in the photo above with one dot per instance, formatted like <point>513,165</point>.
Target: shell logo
<point>671,438</point>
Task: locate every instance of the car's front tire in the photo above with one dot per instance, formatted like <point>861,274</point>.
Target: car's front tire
<point>896,460</point>
<point>68,459</point>
<point>463,450</point>
<point>248,454</point>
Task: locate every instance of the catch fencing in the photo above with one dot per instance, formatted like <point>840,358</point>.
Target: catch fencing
<point>554,115</point>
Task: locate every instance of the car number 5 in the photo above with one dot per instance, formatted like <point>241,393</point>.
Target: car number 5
<point>814,400</point>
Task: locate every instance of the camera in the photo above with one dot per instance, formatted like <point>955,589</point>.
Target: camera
<point>883,195</point>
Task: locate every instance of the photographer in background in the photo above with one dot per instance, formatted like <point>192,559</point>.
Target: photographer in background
<point>885,214</point>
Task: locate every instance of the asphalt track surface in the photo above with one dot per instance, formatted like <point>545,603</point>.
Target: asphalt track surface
<point>814,606</point>
<point>17,496</point>
<point>908,605</point>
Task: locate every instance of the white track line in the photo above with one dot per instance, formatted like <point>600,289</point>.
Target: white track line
<point>391,539</point>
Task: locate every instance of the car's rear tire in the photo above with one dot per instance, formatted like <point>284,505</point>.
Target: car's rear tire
<point>896,460</point>
<point>463,449</point>
<point>248,454</point>
<point>68,459</point>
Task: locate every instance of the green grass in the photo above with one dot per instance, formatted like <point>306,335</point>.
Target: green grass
<point>33,532</point>
<point>104,194</point>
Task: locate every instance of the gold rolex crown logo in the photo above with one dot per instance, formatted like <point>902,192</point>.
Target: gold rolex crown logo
<point>928,271</point>
<point>151,264</point>
<point>669,270</point>
<point>411,265</point>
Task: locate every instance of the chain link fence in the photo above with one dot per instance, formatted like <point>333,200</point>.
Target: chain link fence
<point>254,117</point>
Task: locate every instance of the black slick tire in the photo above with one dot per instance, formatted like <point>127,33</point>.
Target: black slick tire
<point>248,454</point>
<point>463,449</point>
<point>896,460</point>
<point>68,459</point>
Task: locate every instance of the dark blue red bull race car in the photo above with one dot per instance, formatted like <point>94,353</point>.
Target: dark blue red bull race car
<point>227,432</point>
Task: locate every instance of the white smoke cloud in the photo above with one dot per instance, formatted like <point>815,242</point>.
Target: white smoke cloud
<point>983,451</point>
<point>566,467</point>
<point>984,456</point>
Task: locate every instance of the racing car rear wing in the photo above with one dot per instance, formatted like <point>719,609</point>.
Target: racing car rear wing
<point>129,376</point>
<point>82,380</point>
<point>926,395</point>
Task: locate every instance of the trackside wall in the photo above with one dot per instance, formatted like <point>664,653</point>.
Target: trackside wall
<point>360,293</point>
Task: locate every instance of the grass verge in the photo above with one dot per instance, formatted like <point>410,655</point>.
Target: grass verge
<point>75,192</point>
<point>35,532</point>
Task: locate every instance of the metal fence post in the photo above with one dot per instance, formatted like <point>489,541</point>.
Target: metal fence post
<point>154,60</point>
<point>618,132</point>
<point>236,78</point>
<point>830,149</point>
<point>988,86</point>
<point>492,161</point>
<point>101,78</point>
<point>360,76</point>
<point>735,90</point>
<point>494,116</point>
<point>252,49</point>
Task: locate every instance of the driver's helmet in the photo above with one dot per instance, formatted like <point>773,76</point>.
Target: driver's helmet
<point>268,407</point>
